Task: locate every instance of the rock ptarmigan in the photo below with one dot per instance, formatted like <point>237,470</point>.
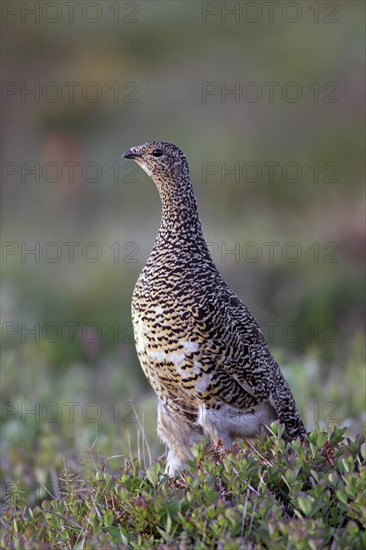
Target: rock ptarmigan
<point>198,344</point>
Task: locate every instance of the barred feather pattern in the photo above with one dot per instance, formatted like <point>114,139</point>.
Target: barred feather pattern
<point>198,344</point>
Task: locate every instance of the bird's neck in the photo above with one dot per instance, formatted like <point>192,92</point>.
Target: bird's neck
<point>180,218</point>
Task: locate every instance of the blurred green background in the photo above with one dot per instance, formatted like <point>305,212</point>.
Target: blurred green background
<point>117,74</point>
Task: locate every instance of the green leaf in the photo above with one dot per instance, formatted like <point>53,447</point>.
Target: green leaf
<point>46,505</point>
<point>342,496</point>
<point>315,475</point>
<point>108,518</point>
<point>306,504</point>
<point>168,527</point>
<point>153,474</point>
<point>363,451</point>
<point>321,439</point>
<point>124,535</point>
<point>333,478</point>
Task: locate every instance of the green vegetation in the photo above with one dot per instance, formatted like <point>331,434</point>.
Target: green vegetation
<point>308,495</point>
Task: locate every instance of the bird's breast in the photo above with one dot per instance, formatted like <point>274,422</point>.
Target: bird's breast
<point>170,352</point>
<point>170,325</point>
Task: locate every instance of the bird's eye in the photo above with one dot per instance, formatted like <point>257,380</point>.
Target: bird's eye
<point>157,153</point>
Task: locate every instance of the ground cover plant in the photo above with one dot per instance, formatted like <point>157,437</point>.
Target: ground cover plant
<point>259,494</point>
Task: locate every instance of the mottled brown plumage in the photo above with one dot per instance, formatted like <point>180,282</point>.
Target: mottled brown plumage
<point>199,346</point>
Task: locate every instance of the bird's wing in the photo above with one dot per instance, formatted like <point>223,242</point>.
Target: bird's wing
<point>233,347</point>
<point>263,373</point>
<point>255,353</point>
<point>242,365</point>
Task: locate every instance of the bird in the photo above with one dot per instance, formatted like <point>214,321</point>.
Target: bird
<point>199,346</point>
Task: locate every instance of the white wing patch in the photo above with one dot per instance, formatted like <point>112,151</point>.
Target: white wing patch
<point>140,329</point>
<point>177,359</point>
<point>202,383</point>
<point>190,346</point>
<point>196,368</point>
<point>158,355</point>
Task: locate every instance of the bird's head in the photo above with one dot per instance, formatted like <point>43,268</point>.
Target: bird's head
<point>163,162</point>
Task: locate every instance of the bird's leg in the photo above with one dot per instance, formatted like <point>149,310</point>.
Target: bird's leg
<point>179,436</point>
<point>214,426</point>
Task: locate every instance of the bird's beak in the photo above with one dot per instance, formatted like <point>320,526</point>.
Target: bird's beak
<point>130,154</point>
